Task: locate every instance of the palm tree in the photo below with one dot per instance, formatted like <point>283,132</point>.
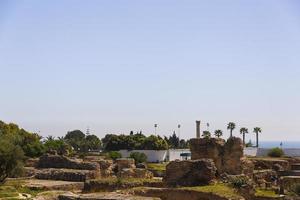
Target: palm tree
<point>231,127</point>
<point>206,134</point>
<point>218,133</point>
<point>243,131</point>
<point>257,130</point>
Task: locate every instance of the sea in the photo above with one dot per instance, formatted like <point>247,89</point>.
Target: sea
<point>285,144</point>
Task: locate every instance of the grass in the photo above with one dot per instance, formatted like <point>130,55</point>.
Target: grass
<point>157,166</point>
<point>11,189</point>
<point>265,193</point>
<point>220,189</point>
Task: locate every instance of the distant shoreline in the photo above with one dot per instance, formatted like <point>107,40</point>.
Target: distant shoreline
<point>285,144</point>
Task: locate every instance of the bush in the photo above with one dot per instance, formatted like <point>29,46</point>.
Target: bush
<point>138,157</point>
<point>114,155</point>
<point>276,152</point>
<point>239,181</point>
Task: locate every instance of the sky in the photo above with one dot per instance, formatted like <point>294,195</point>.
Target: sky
<point>117,66</point>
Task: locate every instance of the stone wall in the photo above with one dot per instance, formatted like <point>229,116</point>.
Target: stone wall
<point>67,174</point>
<point>57,161</point>
<point>227,156</point>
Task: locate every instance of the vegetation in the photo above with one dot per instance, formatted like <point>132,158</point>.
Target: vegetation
<point>265,193</point>
<point>206,134</point>
<point>175,143</point>
<point>11,158</point>
<point>138,157</point>
<point>12,188</point>
<point>257,130</point>
<point>231,127</point>
<point>218,133</point>
<point>239,181</point>
<point>81,142</point>
<point>114,155</point>
<point>161,167</point>
<point>136,141</point>
<point>276,152</point>
<point>59,145</point>
<point>29,142</point>
<point>243,131</point>
<point>220,189</point>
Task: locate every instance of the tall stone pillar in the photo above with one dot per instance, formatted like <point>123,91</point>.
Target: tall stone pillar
<point>198,129</point>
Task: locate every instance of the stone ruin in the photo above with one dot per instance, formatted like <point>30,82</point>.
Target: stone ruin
<point>227,155</point>
<point>190,172</point>
<point>57,167</point>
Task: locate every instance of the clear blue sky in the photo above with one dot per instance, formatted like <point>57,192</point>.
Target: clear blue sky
<point>118,66</point>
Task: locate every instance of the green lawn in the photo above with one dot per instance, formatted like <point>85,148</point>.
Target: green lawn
<point>157,166</point>
<point>265,193</point>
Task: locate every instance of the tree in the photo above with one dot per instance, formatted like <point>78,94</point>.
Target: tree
<point>59,145</point>
<point>155,143</point>
<point>93,142</point>
<point>257,130</point>
<point>29,142</point>
<point>231,127</point>
<point>75,139</point>
<point>243,131</point>
<point>218,133</point>
<point>206,134</point>
<point>11,157</point>
<point>173,141</point>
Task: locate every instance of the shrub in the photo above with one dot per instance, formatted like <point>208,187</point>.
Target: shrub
<point>138,157</point>
<point>239,181</point>
<point>114,155</point>
<point>276,152</point>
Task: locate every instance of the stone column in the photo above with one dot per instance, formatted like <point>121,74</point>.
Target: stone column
<point>198,129</point>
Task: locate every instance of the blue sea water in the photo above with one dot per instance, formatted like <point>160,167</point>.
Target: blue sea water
<point>285,144</point>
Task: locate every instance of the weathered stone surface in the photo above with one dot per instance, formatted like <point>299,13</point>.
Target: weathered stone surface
<point>36,184</point>
<point>247,167</point>
<point>113,184</point>
<point>125,163</point>
<point>233,154</point>
<point>67,174</point>
<point>57,161</point>
<point>106,167</point>
<point>263,176</point>
<point>289,182</point>
<point>135,173</point>
<point>102,196</point>
<point>190,172</point>
<point>181,194</point>
<point>227,156</point>
<point>268,163</point>
<point>31,162</point>
<point>208,148</point>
